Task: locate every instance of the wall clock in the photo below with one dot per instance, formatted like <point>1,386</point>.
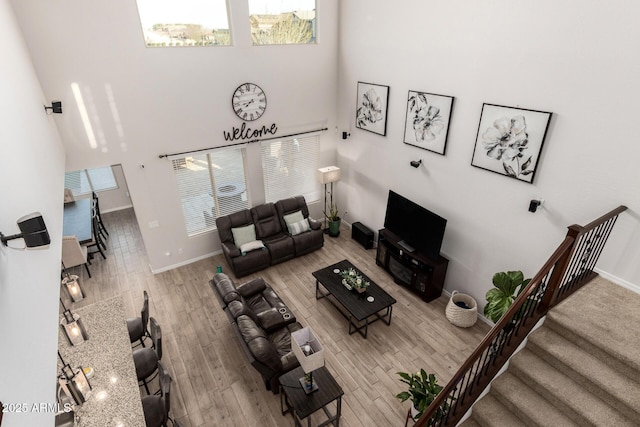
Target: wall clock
<point>249,101</point>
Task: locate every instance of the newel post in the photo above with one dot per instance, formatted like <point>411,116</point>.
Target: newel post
<point>555,282</point>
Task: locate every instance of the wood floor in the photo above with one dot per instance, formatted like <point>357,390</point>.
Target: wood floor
<point>214,385</point>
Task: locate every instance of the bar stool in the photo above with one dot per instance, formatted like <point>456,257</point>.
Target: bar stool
<point>138,327</point>
<point>156,407</point>
<point>146,359</point>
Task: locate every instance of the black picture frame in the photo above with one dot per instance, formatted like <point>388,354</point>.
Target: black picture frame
<point>427,121</point>
<point>509,141</point>
<point>371,107</point>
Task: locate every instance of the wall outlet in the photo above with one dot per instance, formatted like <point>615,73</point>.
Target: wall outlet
<point>154,224</point>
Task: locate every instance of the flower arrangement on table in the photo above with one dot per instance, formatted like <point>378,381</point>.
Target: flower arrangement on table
<point>351,279</point>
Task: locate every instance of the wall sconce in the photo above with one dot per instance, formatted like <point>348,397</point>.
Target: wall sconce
<point>33,231</point>
<point>72,327</point>
<point>535,204</point>
<point>73,288</point>
<point>416,164</point>
<point>74,383</point>
<point>56,107</point>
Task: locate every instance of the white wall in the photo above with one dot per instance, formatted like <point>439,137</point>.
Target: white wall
<point>143,102</point>
<point>31,179</point>
<point>578,60</point>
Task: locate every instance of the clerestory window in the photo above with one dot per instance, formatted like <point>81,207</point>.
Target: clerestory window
<point>184,23</point>
<point>282,21</point>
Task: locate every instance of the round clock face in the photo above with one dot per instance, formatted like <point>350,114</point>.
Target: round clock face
<point>249,101</point>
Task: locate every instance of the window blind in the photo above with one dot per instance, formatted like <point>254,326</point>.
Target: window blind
<point>289,168</point>
<point>85,181</point>
<point>210,185</point>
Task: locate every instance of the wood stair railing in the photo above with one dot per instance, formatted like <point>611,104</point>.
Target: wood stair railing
<point>567,270</point>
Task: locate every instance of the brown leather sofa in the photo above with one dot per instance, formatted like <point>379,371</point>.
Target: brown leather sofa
<point>262,323</point>
<point>272,229</point>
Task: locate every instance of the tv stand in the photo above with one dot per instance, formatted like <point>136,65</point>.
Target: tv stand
<point>411,269</point>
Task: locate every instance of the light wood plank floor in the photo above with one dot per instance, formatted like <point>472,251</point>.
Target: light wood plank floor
<point>214,385</point>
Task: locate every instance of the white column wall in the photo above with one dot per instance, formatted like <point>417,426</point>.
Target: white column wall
<point>31,179</point>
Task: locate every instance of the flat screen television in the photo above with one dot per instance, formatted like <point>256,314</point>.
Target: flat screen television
<point>419,228</point>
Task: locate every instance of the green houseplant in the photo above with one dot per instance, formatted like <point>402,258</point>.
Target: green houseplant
<point>423,389</point>
<point>334,220</point>
<point>507,286</point>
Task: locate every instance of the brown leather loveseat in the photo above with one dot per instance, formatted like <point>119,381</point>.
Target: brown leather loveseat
<point>267,234</point>
<point>262,323</point>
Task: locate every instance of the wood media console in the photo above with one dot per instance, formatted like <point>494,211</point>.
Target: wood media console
<point>414,270</point>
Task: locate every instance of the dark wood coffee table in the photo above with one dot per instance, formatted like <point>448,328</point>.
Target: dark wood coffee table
<point>294,400</point>
<point>360,312</point>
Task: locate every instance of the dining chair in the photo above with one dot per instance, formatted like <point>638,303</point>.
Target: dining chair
<point>138,327</point>
<point>96,205</point>
<point>156,407</point>
<point>146,359</point>
<point>96,240</point>
<point>73,254</point>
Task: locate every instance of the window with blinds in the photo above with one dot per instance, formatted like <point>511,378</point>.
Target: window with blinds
<point>210,185</point>
<point>289,168</point>
<point>85,181</point>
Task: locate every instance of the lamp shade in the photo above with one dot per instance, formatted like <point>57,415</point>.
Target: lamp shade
<point>73,287</point>
<point>307,349</point>
<point>328,174</point>
<point>73,328</point>
<point>77,384</point>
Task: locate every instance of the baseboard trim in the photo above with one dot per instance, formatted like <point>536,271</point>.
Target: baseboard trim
<point>618,281</point>
<point>183,263</point>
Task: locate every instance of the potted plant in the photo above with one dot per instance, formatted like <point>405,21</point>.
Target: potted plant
<point>334,220</point>
<point>423,389</point>
<point>507,286</point>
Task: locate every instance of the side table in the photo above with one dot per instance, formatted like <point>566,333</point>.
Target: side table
<point>294,400</point>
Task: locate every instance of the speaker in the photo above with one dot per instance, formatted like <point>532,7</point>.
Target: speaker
<point>34,230</point>
<point>362,234</point>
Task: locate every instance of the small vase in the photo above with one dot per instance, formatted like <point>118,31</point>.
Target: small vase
<point>360,290</point>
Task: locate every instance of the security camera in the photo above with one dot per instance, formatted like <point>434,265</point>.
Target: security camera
<point>416,164</point>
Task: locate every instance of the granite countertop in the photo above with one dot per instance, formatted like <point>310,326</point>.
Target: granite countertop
<point>115,397</point>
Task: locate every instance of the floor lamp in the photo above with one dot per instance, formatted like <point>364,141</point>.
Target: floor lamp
<point>328,175</point>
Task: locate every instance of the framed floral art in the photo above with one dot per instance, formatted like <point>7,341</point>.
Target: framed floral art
<point>509,141</point>
<point>371,108</point>
<point>427,121</point>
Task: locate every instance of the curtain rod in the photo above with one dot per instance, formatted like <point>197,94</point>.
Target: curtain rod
<point>242,143</point>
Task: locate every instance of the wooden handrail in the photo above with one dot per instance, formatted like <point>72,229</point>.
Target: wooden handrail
<point>542,293</point>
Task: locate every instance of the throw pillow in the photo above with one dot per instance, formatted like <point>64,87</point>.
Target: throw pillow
<point>293,217</point>
<point>251,246</point>
<point>242,235</point>
<point>299,227</point>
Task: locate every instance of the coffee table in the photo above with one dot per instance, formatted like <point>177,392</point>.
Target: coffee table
<point>294,400</point>
<point>359,311</point>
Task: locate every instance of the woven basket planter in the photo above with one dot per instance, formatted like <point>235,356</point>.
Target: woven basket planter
<point>462,317</point>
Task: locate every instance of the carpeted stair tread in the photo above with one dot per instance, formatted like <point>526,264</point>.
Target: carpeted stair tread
<point>597,376</point>
<point>469,422</point>
<point>600,313</point>
<point>526,404</point>
<point>568,396</point>
<point>489,412</point>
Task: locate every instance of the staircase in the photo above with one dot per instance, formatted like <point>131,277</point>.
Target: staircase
<point>581,368</point>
